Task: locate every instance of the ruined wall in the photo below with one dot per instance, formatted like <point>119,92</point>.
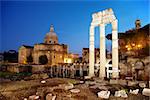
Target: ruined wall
<point>23,54</point>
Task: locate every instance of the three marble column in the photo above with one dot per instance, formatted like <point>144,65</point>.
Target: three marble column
<point>101,19</point>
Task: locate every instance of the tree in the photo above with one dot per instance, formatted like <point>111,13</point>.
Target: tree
<point>43,59</point>
<point>11,56</point>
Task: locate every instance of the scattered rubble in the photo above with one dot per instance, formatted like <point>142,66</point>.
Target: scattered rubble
<point>132,83</point>
<point>56,88</point>
<point>134,91</point>
<point>25,99</point>
<point>75,90</point>
<point>49,96</point>
<point>81,82</point>
<point>121,93</point>
<point>146,92</point>
<point>113,81</point>
<point>87,77</point>
<point>142,85</point>
<point>69,86</point>
<point>104,94</point>
<point>34,97</point>
<point>43,81</point>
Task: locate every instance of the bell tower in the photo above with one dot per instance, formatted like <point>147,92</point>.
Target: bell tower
<point>137,24</point>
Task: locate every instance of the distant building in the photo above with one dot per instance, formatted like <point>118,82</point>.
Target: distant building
<point>134,42</point>
<point>10,56</point>
<point>1,57</point>
<point>85,55</point>
<point>50,50</point>
<point>137,24</point>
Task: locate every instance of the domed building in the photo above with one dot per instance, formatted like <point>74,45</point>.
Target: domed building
<point>50,52</point>
<point>51,37</point>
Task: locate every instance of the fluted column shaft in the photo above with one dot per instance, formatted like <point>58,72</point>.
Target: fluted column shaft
<point>115,73</point>
<point>91,52</point>
<point>102,51</point>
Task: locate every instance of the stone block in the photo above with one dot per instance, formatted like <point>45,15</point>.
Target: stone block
<point>104,94</point>
<point>121,93</point>
<point>49,96</point>
<point>87,77</point>
<point>113,81</point>
<point>142,85</point>
<point>122,82</point>
<point>75,90</point>
<point>146,92</point>
<point>68,86</point>
<point>132,83</point>
<point>34,97</point>
<point>43,81</point>
<point>134,91</point>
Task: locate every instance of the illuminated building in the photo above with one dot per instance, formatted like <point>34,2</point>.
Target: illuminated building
<point>54,52</point>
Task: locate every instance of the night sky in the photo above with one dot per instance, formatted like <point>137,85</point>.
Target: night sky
<point>27,22</point>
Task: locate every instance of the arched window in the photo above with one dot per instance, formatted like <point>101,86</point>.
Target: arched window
<point>43,59</point>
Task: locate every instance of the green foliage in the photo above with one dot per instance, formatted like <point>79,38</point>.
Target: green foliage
<point>9,74</point>
<point>72,81</point>
<point>23,74</point>
<point>6,74</point>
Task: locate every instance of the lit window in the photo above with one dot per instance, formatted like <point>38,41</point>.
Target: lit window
<point>126,46</point>
<point>133,44</point>
<point>128,49</point>
<point>139,45</point>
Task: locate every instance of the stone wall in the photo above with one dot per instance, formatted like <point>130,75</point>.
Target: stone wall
<point>38,68</point>
<point>18,68</point>
<point>23,54</point>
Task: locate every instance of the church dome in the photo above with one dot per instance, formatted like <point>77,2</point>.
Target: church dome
<point>51,37</point>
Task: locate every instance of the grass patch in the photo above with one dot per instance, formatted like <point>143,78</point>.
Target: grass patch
<point>72,81</point>
<point>9,74</point>
<point>6,74</point>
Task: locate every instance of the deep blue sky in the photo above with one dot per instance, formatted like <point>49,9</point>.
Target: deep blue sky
<point>28,22</point>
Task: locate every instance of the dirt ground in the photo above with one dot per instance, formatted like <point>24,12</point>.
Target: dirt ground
<point>18,90</point>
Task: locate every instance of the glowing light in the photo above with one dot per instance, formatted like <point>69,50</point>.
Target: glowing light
<point>133,44</point>
<point>126,46</point>
<point>24,62</point>
<point>128,49</point>
<point>139,45</point>
<point>67,60</point>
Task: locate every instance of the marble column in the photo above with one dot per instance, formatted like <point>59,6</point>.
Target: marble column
<point>115,73</point>
<point>102,51</point>
<point>91,51</point>
<point>63,74</point>
<point>81,70</point>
